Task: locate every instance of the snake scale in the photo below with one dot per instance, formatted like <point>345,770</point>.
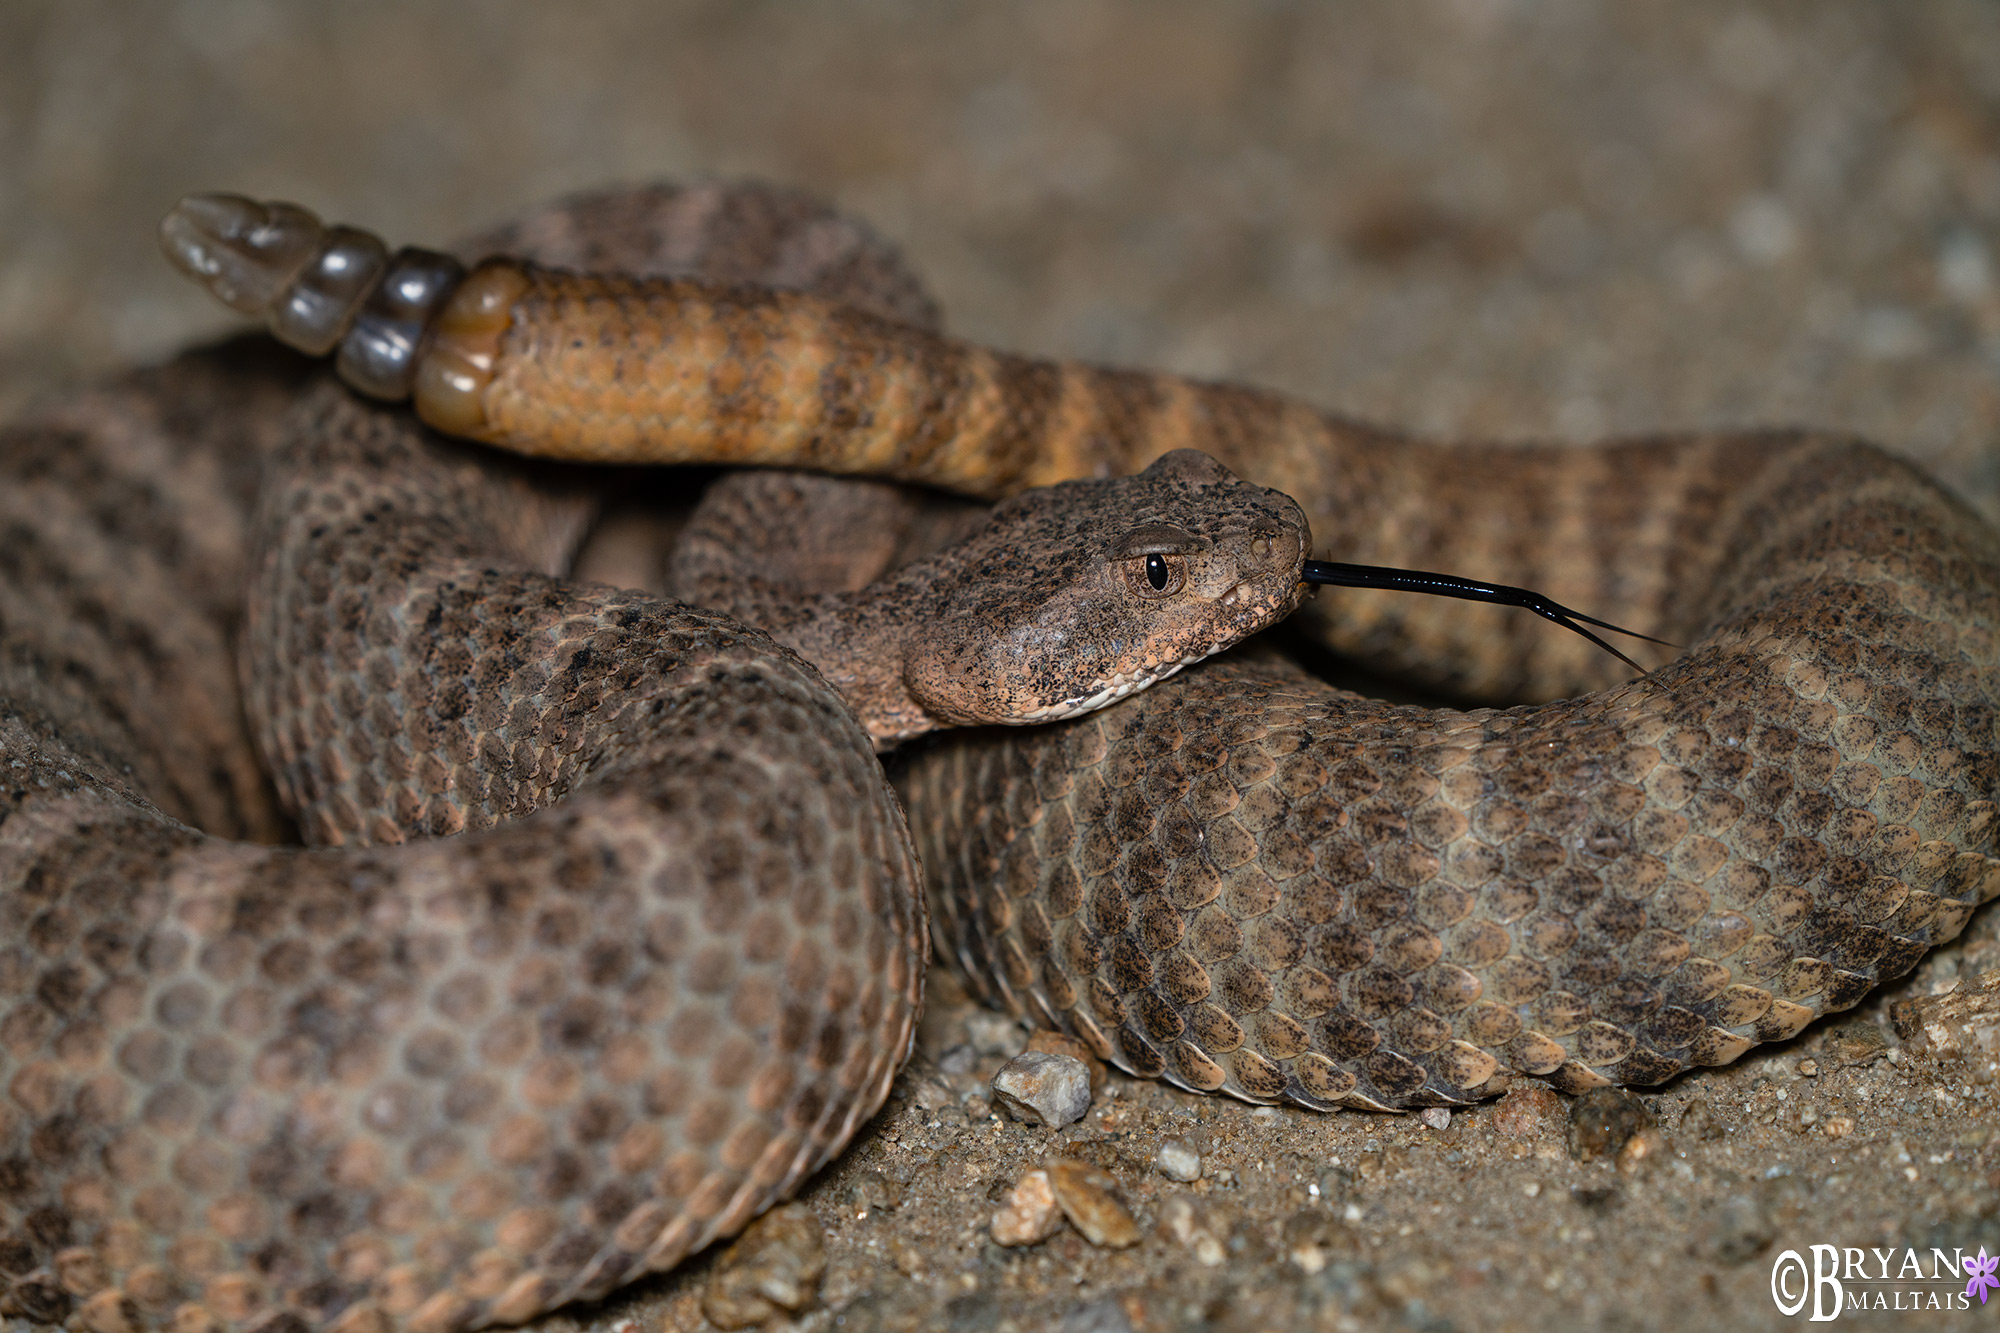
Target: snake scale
<point>451,1081</point>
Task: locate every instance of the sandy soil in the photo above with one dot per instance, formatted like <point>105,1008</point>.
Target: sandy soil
<point>1561,218</point>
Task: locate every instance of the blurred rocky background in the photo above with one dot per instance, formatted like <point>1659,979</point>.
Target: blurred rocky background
<point>1553,218</point>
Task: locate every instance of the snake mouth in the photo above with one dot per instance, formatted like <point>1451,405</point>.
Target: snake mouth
<point>1120,685</point>
<point>1245,603</point>
<point>1250,604</point>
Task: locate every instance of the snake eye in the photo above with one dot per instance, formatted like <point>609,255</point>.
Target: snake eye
<point>1156,574</point>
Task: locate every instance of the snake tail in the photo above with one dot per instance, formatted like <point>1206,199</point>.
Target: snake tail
<point>613,369</point>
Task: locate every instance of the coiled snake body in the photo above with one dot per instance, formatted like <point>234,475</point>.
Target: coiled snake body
<point>456,1081</point>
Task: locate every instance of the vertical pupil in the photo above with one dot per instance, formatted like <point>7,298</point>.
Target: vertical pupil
<point>1156,571</point>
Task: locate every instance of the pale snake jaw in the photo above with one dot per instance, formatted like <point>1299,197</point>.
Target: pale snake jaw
<point>1118,687</point>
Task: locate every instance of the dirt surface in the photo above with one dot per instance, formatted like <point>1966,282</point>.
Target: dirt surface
<point>1559,218</point>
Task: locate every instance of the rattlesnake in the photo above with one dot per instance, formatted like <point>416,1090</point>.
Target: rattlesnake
<point>677,954</point>
<point>1239,880</point>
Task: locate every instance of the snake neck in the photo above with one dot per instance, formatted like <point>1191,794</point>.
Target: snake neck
<point>858,641</point>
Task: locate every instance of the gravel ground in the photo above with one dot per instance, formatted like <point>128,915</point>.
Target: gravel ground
<point>1554,219</point>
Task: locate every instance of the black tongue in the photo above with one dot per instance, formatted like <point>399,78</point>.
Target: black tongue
<point>1333,573</point>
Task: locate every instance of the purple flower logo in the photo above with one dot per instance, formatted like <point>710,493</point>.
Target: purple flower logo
<point>1982,1272</point>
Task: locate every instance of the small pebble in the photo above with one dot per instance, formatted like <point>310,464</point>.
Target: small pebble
<point>1856,1042</point>
<point>1335,1183</point>
<point>1602,1120</point>
<point>1311,1239</point>
<point>1599,1198</point>
<point>1190,1224</point>
<point>1961,1024</point>
<point>1029,1214</point>
<point>1528,1111</point>
<point>872,1192</point>
<point>1646,1148</point>
<point>1084,1195</point>
<point>930,1094</point>
<point>1809,1068</point>
<point>1698,1121</point>
<point>775,1265</point>
<point>1437,1117</point>
<point>1104,1316</point>
<point>908,1259</point>
<point>994,1034</point>
<point>1058,1043</point>
<point>1837,1126</point>
<point>1178,1161</point>
<point>1736,1232</point>
<point>1043,1088</point>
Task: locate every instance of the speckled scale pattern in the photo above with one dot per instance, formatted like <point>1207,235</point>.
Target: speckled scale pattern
<point>671,963</point>
<point>455,1082</point>
<point>1250,881</point>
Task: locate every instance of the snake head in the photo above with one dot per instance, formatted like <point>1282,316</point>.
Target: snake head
<point>1075,595</point>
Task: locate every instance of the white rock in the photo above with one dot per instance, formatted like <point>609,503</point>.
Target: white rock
<point>1178,1161</point>
<point>1043,1088</point>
